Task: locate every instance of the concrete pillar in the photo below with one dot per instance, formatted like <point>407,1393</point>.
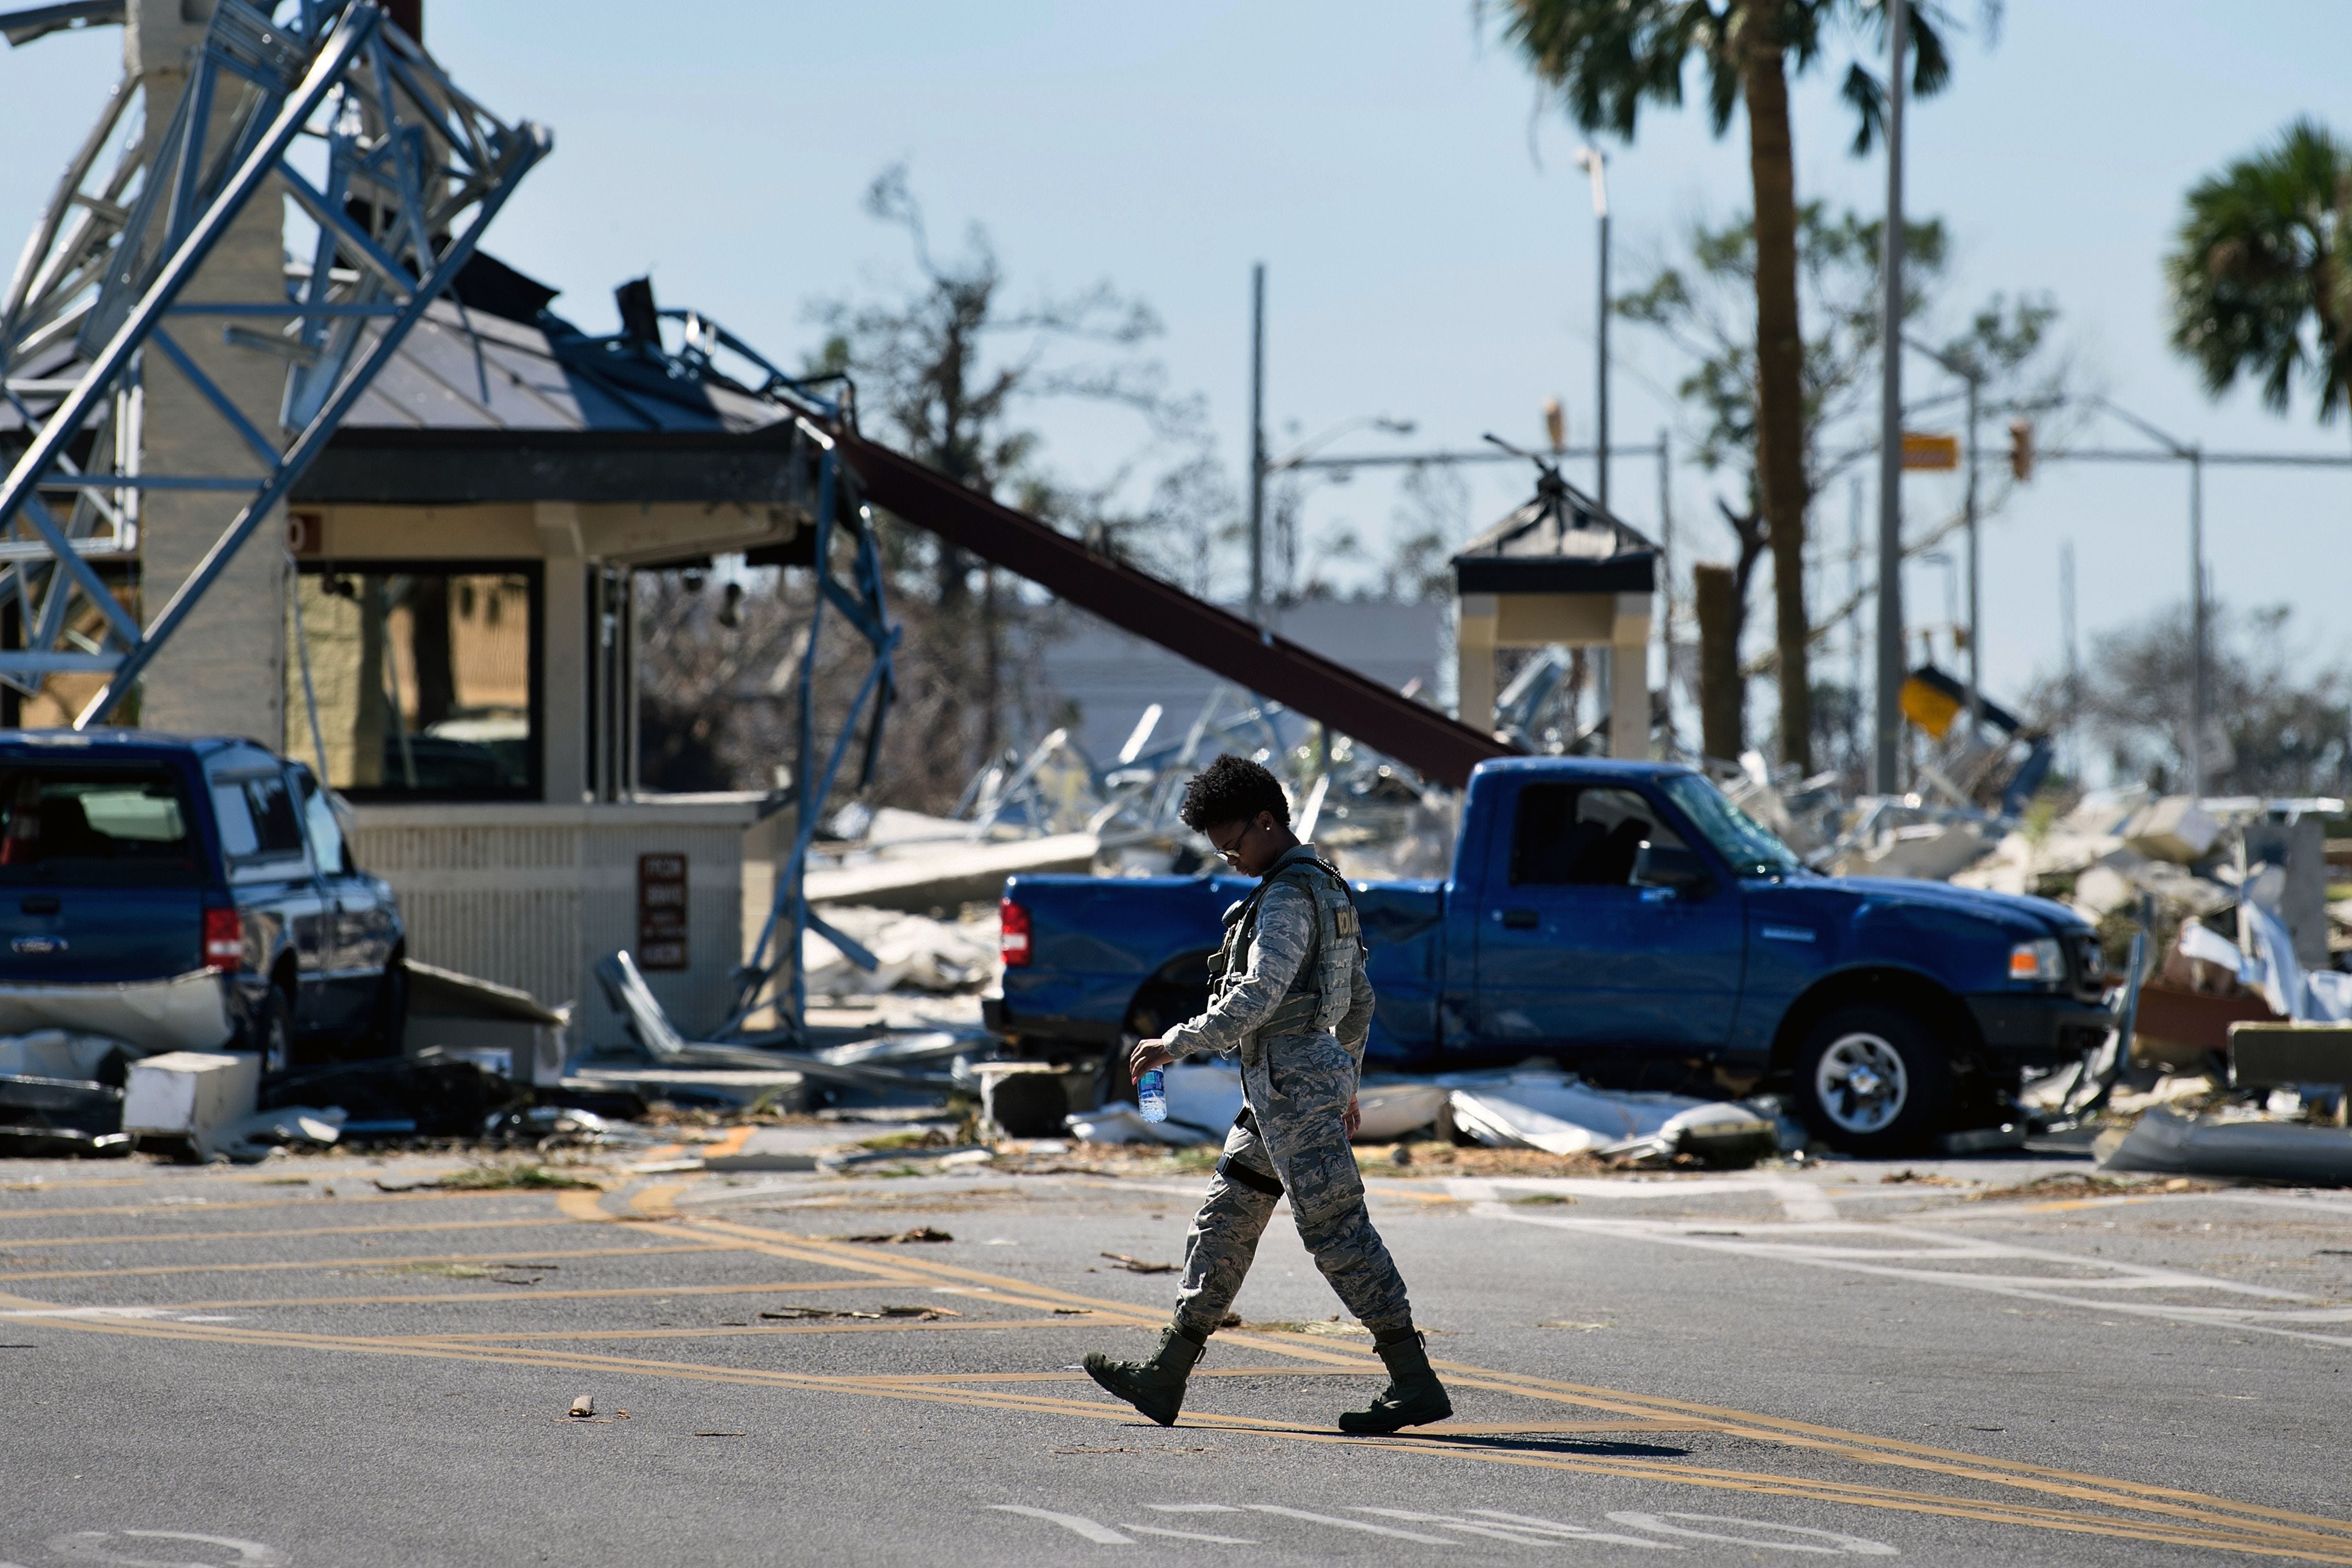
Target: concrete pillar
<point>563,644</point>
<point>224,672</point>
<point>1629,678</point>
<point>1475,627</point>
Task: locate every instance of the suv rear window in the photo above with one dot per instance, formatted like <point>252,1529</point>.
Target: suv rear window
<point>121,826</point>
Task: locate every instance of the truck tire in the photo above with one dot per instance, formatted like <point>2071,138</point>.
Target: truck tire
<point>1872,1080</point>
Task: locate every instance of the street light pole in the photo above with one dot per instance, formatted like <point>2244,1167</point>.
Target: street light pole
<point>1976,638</point>
<point>1258,445</point>
<point>2197,696</point>
<point>2197,668</point>
<point>1596,163</point>
<point>1889,736</point>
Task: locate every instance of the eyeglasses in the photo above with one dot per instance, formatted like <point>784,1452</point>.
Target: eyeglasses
<point>1231,853</point>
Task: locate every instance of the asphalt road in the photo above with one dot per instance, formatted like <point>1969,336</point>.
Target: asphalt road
<point>289,1365</point>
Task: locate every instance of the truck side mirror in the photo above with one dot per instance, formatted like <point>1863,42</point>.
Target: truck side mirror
<point>1676,873</point>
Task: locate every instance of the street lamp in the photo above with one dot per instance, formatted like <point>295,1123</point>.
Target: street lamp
<point>2194,456</point>
<point>1296,459</point>
<point>1594,162</point>
<point>1314,444</point>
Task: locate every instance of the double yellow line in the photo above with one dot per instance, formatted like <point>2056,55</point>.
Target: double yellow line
<point>2059,1500</point>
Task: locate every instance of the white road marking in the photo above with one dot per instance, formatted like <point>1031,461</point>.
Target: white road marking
<point>1349,1524</point>
<point>1191,1508</point>
<point>1782,1242</point>
<point>1840,1545</point>
<point>1571,1532</point>
<point>1515,1536</point>
<point>1804,1201</point>
<point>1188,1535</point>
<point>1076,1524</point>
<point>90,1546</point>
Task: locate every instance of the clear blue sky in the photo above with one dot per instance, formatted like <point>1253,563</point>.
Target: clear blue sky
<point>1429,240</point>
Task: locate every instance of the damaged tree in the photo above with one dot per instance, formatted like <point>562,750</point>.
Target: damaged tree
<point>1699,307</point>
<point>1604,58</point>
<point>946,370</point>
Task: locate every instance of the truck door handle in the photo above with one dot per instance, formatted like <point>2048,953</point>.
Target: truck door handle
<point>1517,919</point>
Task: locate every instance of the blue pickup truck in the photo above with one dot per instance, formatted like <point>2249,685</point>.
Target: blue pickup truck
<point>179,892</point>
<point>1628,921</point>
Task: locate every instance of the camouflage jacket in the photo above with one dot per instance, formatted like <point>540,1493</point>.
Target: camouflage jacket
<point>1292,964</point>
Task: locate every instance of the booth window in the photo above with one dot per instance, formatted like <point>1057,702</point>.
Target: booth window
<point>426,679</point>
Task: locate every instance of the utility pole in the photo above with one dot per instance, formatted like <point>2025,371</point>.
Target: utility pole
<point>1889,727</point>
<point>1853,621</point>
<point>1596,163</point>
<point>1258,445</point>
<point>2074,669</point>
<point>2197,695</point>
<point>1976,641</point>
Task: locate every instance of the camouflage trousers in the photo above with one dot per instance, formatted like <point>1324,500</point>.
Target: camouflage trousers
<point>1293,1141</point>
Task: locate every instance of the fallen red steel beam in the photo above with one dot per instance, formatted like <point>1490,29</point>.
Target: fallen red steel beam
<point>1420,737</point>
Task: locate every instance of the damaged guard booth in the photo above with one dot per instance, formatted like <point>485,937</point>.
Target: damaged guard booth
<point>1559,572</point>
<point>461,594</point>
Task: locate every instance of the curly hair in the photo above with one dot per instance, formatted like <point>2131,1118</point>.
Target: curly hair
<point>1232,789</point>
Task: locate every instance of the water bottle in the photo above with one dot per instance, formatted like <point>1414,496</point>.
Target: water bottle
<point>1151,1095</point>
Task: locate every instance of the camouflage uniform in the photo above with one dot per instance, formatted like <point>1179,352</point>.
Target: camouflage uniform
<point>1287,992</point>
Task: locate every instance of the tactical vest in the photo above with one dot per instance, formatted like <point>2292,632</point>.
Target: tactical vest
<point>1321,991</point>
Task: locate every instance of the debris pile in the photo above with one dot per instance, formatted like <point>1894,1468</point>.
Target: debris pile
<point>1532,1106</point>
<point>1055,808</point>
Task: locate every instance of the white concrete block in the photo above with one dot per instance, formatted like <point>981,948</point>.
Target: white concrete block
<point>187,1097</point>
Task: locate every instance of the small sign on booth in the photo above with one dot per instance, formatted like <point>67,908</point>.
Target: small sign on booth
<point>661,912</point>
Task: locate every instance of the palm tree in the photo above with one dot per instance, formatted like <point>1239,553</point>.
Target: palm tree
<point>1604,58</point>
<point>2261,272</point>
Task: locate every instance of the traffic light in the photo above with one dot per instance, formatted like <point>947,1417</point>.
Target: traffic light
<point>2020,449</point>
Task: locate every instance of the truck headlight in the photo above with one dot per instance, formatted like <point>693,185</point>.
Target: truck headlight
<point>2041,961</point>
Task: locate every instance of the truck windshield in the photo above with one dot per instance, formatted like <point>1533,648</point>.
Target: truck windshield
<point>1753,849</point>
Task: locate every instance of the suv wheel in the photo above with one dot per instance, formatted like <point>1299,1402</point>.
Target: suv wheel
<point>273,1032</point>
<point>1871,1080</point>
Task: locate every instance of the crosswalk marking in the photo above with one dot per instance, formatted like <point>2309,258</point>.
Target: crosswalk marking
<point>1188,1535</point>
<point>1076,1524</point>
<point>1571,1532</point>
<point>1349,1524</point>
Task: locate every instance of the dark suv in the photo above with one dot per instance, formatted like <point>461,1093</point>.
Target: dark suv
<point>162,889</point>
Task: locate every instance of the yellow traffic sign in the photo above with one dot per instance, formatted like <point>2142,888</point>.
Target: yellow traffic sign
<point>1923,449</point>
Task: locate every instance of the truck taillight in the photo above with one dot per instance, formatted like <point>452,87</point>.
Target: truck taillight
<point>223,941</point>
<point>1013,945</point>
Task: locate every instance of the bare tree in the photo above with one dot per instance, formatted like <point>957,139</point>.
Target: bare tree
<point>2287,734</point>
<point>948,370</point>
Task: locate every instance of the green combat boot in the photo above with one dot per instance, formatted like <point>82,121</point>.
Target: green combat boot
<point>1155,1386</point>
<point>1413,1397</point>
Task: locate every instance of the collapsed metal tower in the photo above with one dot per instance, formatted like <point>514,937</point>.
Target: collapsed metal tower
<point>397,170</point>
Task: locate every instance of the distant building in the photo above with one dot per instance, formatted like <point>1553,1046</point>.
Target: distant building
<point>1112,677</point>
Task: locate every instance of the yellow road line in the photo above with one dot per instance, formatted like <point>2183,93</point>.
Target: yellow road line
<point>1853,1444</point>
<point>404,1261</point>
<point>517,1296</point>
<point>746,1331</point>
<point>45,1242</point>
<point>305,1201</point>
<point>2231,1535</point>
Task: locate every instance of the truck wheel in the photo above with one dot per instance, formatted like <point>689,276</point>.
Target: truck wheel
<point>1872,1081</point>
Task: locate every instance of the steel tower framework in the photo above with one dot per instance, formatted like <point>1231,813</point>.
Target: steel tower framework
<point>396,171</point>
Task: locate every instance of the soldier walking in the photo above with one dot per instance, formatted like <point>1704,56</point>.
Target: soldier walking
<point>1287,992</point>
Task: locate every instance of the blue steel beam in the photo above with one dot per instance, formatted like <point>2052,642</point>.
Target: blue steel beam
<point>327,66</point>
